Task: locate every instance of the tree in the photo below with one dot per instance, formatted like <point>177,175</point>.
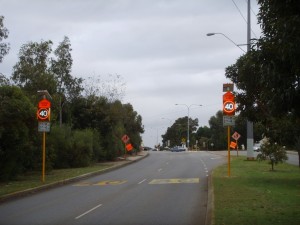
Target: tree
<point>279,53</point>
<point>219,133</point>
<point>178,131</point>
<point>272,152</point>
<point>17,133</point>
<point>32,72</point>
<point>4,47</point>
<point>268,76</point>
<point>68,87</point>
<point>112,87</point>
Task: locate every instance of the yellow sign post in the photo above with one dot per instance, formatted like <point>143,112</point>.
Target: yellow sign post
<point>43,117</point>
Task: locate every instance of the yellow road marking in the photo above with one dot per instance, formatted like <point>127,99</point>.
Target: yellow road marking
<point>110,182</point>
<point>175,181</point>
<point>101,183</point>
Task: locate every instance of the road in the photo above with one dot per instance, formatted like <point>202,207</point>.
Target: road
<point>164,188</point>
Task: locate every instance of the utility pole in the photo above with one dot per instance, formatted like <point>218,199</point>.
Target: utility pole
<point>250,152</point>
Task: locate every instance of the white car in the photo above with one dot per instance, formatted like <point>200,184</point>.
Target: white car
<point>256,147</point>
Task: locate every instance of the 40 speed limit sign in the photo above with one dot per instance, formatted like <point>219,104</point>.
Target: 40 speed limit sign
<point>43,114</point>
<point>229,108</point>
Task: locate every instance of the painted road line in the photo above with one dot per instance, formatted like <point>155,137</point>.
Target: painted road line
<point>101,183</point>
<point>159,170</point>
<point>87,212</point>
<point>175,181</point>
<point>142,181</point>
<point>110,182</point>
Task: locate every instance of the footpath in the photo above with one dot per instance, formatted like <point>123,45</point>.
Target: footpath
<point>120,162</point>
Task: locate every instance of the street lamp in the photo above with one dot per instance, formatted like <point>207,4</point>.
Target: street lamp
<point>250,152</point>
<point>211,34</point>
<point>188,122</point>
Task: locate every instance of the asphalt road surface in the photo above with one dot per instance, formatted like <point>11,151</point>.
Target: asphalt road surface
<point>165,188</point>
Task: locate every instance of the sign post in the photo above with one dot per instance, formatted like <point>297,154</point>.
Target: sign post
<point>236,137</point>
<point>43,117</point>
<point>228,113</point>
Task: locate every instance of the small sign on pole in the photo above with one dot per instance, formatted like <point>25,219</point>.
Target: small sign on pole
<point>236,136</point>
<point>44,126</point>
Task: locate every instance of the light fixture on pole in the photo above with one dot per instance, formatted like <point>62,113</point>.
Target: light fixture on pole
<point>211,34</point>
<point>188,122</point>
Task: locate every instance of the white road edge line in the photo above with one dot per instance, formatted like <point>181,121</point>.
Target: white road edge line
<point>142,181</point>
<point>83,214</point>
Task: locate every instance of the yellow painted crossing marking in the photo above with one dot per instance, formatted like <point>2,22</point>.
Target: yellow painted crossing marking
<point>175,181</point>
<point>101,183</point>
<point>110,182</point>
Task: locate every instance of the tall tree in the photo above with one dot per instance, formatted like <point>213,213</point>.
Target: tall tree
<point>178,131</point>
<point>268,76</point>
<point>68,87</point>
<point>4,47</point>
<point>32,71</point>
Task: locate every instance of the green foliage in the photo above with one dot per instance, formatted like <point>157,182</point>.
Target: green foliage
<point>268,76</point>
<point>90,127</point>
<point>73,148</point>
<point>82,148</point>
<point>219,133</point>
<point>4,47</point>
<point>16,131</point>
<point>272,152</point>
<point>178,131</point>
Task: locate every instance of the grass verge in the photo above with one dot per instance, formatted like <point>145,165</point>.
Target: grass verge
<point>255,195</point>
<point>33,180</point>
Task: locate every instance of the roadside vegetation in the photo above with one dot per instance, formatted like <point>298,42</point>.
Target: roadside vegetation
<point>88,118</point>
<point>33,179</point>
<point>255,194</point>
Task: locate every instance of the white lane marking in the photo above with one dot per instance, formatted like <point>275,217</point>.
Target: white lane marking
<point>83,214</point>
<point>142,181</point>
<point>159,170</point>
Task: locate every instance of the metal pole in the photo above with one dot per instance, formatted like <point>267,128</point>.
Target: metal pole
<point>228,147</point>
<point>44,157</point>
<point>188,129</point>
<point>250,152</point>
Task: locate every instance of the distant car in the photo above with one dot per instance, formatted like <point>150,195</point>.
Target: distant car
<point>256,147</point>
<point>147,148</point>
<point>177,149</point>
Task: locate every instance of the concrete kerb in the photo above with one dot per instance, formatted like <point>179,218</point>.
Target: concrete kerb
<point>19,194</point>
<point>210,195</point>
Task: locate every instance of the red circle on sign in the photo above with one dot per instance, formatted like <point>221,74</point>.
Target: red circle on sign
<point>43,114</point>
<point>228,107</point>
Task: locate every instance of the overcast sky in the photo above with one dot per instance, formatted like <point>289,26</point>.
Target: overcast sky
<point>159,47</point>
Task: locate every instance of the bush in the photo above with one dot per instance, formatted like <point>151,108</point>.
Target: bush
<point>17,128</point>
<point>82,148</point>
<point>272,152</point>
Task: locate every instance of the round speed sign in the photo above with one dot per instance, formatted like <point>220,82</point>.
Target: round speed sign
<point>228,108</point>
<point>43,114</point>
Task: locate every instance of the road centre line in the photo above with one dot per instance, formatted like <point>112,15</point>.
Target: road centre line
<point>142,181</point>
<point>83,214</point>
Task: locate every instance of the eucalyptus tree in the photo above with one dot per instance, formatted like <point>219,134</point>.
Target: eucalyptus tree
<point>4,46</point>
<point>268,76</point>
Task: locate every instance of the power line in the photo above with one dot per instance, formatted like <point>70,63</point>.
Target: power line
<point>243,16</point>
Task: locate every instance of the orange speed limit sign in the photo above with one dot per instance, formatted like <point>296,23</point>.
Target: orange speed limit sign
<point>229,108</point>
<point>43,114</point>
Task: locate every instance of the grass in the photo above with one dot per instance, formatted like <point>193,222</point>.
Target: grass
<point>255,195</point>
<point>32,180</point>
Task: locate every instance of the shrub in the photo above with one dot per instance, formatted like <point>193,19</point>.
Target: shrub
<point>272,152</point>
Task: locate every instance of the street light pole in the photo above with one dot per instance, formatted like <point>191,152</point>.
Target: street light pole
<point>250,151</point>
<point>211,34</point>
<point>188,123</point>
